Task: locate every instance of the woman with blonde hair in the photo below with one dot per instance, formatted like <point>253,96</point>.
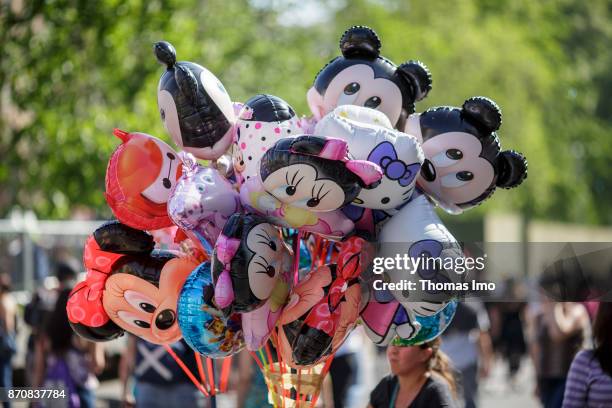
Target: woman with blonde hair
<point>421,377</point>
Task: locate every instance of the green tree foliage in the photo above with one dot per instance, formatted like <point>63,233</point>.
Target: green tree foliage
<point>70,71</point>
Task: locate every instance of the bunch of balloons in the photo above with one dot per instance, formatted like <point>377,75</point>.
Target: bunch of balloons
<point>277,231</point>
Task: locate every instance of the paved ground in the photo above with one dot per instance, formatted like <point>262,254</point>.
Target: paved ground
<point>495,392</point>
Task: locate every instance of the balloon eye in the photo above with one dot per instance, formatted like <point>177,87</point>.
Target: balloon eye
<point>162,113</point>
<point>290,190</point>
<point>147,307</point>
<point>385,200</point>
<point>201,189</point>
<point>313,202</point>
<point>351,88</point>
<point>465,175</point>
<point>272,245</point>
<point>142,324</point>
<point>372,102</point>
<point>454,154</point>
<point>270,271</point>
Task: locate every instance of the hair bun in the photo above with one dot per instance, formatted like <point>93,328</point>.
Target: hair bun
<point>165,53</point>
<point>360,41</point>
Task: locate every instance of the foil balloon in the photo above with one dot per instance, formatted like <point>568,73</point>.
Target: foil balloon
<point>251,264</point>
<point>201,202</point>
<point>304,181</point>
<point>140,175</point>
<point>434,261</point>
<point>205,328</point>
<point>361,76</point>
<point>383,318</point>
<point>127,287</point>
<point>433,326</point>
<point>194,106</point>
<point>323,309</point>
<point>464,161</point>
<point>262,121</point>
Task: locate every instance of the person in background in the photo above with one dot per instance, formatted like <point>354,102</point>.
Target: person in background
<point>158,379</point>
<point>589,382</point>
<point>468,345</point>
<point>557,332</point>
<point>343,369</point>
<point>65,360</point>
<point>7,333</point>
<point>38,311</point>
<point>420,377</point>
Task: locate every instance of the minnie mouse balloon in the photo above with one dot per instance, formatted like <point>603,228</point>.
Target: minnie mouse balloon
<point>361,76</point>
<point>251,263</point>
<point>464,161</point>
<point>127,287</point>
<point>202,201</point>
<point>140,175</point>
<point>262,121</point>
<point>194,106</point>
<point>205,328</point>
<point>303,178</point>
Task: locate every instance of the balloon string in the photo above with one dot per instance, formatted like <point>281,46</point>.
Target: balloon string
<point>186,370</point>
<point>200,368</point>
<point>279,355</point>
<point>296,257</point>
<point>225,372</point>
<point>254,355</point>
<point>211,375</point>
<point>315,252</point>
<point>323,374</point>
<point>298,396</point>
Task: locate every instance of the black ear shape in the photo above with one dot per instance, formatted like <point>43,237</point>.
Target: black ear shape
<point>511,169</point>
<point>113,236</point>
<point>360,41</point>
<point>108,331</point>
<point>308,144</point>
<point>418,76</point>
<point>187,83</point>
<point>484,112</point>
<point>165,53</point>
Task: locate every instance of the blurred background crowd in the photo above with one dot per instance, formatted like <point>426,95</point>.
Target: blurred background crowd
<point>71,71</point>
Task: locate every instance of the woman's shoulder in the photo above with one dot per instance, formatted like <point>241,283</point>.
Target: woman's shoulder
<point>436,392</point>
<point>381,395</point>
<point>583,359</point>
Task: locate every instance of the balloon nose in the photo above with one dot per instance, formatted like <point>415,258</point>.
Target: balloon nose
<point>428,171</point>
<point>165,319</point>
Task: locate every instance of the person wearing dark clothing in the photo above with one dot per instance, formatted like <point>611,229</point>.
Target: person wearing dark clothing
<point>420,378</point>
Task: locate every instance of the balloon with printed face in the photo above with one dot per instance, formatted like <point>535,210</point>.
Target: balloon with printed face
<point>262,121</point>
<point>324,307</point>
<point>251,264</point>
<point>370,137</point>
<point>464,161</point>
<point>127,288</point>
<point>205,328</point>
<point>194,106</point>
<point>202,201</point>
<point>361,76</point>
<point>433,326</point>
<point>140,175</point>
<point>303,181</point>
<point>435,257</point>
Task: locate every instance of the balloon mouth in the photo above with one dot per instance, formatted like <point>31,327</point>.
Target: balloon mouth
<point>428,171</point>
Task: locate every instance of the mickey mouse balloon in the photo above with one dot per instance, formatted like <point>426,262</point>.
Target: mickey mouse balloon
<point>464,162</point>
<point>194,106</point>
<point>361,76</point>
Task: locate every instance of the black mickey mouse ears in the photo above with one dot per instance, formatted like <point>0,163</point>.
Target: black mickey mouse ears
<point>360,41</point>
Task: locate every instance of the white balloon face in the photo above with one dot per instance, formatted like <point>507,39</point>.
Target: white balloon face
<point>357,85</point>
<point>169,116</point>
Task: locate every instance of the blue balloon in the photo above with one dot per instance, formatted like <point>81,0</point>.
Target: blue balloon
<point>431,326</point>
<point>203,325</point>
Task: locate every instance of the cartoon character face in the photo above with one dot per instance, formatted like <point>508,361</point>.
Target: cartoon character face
<point>202,200</point>
<point>370,137</point>
<point>314,173</point>
<point>249,262</point>
<point>464,162</point>
<point>140,176</point>
<point>362,77</point>
<point>263,120</point>
<point>145,309</point>
<point>194,106</point>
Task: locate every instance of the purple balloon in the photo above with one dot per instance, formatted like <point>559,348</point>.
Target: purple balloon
<point>202,201</point>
